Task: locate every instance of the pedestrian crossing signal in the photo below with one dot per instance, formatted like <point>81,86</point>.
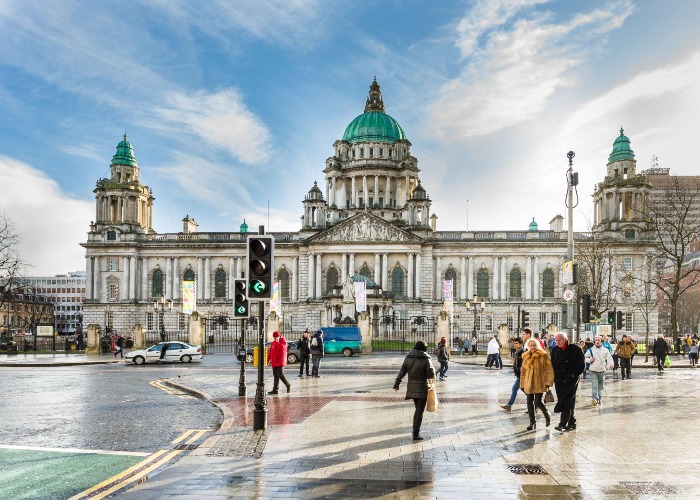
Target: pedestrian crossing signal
<point>524,319</point>
<point>611,317</point>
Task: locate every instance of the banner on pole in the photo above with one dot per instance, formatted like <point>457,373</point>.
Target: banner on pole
<point>275,299</point>
<point>447,298</point>
<point>189,297</point>
<point>360,296</point>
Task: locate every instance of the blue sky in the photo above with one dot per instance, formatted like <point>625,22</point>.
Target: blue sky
<point>231,105</point>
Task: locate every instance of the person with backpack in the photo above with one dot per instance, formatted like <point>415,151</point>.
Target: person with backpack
<point>661,350</point>
<point>305,352</point>
<point>317,352</point>
<point>443,356</point>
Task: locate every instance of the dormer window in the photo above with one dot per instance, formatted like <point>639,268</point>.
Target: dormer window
<point>371,152</point>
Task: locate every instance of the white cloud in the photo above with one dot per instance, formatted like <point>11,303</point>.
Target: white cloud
<point>221,119</point>
<point>513,74</point>
<point>51,225</point>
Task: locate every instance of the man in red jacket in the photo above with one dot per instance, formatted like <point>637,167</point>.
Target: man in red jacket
<point>278,359</point>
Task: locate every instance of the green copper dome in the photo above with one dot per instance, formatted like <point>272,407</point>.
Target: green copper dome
<point>374,124</point>
<point>621,149</point>
<point>533,225</point>
<point>125,154</point>
<point>244,227</point>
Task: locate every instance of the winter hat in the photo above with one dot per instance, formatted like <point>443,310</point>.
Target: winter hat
<point>421,346</point>
<point>275,334</point>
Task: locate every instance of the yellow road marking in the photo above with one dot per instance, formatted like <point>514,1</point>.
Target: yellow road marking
<point>117,477</point>
<point>198,435</point>
<point>159,385</point>
<point>183,436</point>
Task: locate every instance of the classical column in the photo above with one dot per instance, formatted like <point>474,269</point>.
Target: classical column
<point>504,264</point>
<point>385,271</point>
<point>144,278</point>
<point>207,278</point>
<point>536,279</point>
<point>132,278</point>
<point>409,292</point>
<point>231,275</point>
<point>343,268</point>
<point>528,278</point>
<point>351,270</point>
<point>419,273</point>
<point>125,275</point>
<point>176,278</point>
<point>495,278</point>
<point>311,281</point>
<point>376,190</point>
<point>168,278</point>
<point>365,194</point>
<point>377,272</point>
<point>200,278</point>
<point>88,278</point>
<point>470,279</point>
<point>96,290</point>
<point>319,275</point>
<point>353,198</point>
<point>295,278</point>
<point>463,278</point>
<point>438,278</point>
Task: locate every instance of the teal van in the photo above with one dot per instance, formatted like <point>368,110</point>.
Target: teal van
<point>342,339</point>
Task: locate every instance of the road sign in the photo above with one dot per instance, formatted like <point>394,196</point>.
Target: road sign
<point>568,272</point>
<point>568,295</point>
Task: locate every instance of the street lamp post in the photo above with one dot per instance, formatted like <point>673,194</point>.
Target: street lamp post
<point>159,308</point>
<point>476,307</point>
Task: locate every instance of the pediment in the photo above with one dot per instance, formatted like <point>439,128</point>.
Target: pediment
<point>365,228</point>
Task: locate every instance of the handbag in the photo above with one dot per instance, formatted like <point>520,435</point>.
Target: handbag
<point>549,397</point>
<point>432,403</point>
<point>667,362</point>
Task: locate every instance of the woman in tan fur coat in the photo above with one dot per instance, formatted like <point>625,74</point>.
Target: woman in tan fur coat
<point>536,376</point>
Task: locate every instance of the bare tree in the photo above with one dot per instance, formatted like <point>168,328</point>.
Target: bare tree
<point>11,264</point>
<point>688,313</point>
<point>639,291</point>
<point>674,217</point>
<point>596,260</point>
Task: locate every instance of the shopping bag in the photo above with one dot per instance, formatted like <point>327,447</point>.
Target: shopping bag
<point>667,362</point>
<point>432,404</point>
<point>549,397</point>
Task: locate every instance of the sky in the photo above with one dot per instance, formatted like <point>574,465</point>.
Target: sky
<point>233,107</point>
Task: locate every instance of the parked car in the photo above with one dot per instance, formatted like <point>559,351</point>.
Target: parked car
<point>342,339</point>
<point>177,351</point>
<point>293,354</point>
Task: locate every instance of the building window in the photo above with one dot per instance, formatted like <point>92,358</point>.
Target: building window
<point>112,264</point>
<point>157,283</point>
<point>381,152</point>
<point>110,319</point>
<point>182,321</point>
<point>220,284</point>
<point>371,201</point>
<point>188,276</point>
<point>555,320</point>
<point>113,290</point>
<point>489,322</point>
<point>365,271</point>
<point>397,282</point>
<point>482,283</point>
<point>451,275</point>
<point>548,284</point>
<point>283,278</point>
<point>628,263</point>
<point>628,322</point>
<point>362,152</point>
<point>111,235</point>
<point>331,280</point>
<point>543,320</point>
<point>515,283</point>
<point>353,153</point>
<point>381,202</point>
<point>509,322</point>
<point>371,152</point>
<point>629,234</point>
<point>149,321</point>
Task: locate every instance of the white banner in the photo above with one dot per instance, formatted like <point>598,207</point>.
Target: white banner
<point>447,297</point>
<point>360,296</point>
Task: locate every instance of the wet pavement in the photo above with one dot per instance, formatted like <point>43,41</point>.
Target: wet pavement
<point>348,435</point>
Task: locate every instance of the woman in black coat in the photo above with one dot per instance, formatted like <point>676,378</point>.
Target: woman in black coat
<point>660,351</point>
<point>419,369</point>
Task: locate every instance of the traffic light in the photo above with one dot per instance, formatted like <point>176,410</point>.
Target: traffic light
<point>524,319</point>
<point>240,299</point>
<point>261,256</point>
<point>611,317</point>
<point>620,320</point>
<point>586,308</point>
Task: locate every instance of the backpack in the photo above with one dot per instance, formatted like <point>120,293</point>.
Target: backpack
<point>436,351</point>
<point>314,342</point>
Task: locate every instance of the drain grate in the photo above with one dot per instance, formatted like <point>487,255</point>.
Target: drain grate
<point>530,469</point>
<point>648,487</point>
<point>186,446</point>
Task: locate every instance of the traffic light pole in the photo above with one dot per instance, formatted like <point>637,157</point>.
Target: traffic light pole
<point>570,179</point>
<point>260,411</point>
<point>243,354</point>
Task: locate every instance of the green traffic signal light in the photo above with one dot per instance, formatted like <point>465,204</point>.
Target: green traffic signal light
<point>261,266</point>
<point>240,300</point>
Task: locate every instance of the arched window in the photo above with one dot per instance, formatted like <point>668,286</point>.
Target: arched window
<point>397,282</point>
<point>548,283</point>
<point>515,283</point>
<point>188,276</point>
<point>451,274</point>
<point>157,283</point>
<point>220,283</point>
<point>482,283</point>
<point>331,279</point>
<point>365,271</point>
<point>283,278</point>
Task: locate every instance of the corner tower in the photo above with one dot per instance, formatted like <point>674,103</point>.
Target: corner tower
<point>372,169</point>
<point>123,204</point>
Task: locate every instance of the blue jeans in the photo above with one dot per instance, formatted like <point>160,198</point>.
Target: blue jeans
<point>597,381</point>
<point>316,361</point>
<point>491,359</point>
<point>443,369</point>
<point>514,392</point>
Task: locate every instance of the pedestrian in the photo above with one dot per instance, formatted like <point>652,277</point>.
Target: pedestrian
<point>278,360</point>
<point>625,350</point>
<point>616,358</point>
<point>492,353</point>
<point>511,346</point>
<point>517,363</point>
<point>443,357</point>
<point>467,346</point>
<point>304,352</point>
<point>163,350</point>
<point>568,364</point>
<point>586,346</point>
<point>419,369</point>
<point>606,344</point>
<point>693,353</point>
<point>660,351</point>
<point>525,334</point>
<point>537,336</point>
<point>475,345</point>
<point>536,377</point>
<point>80,345</point>
<point>317,352</point>
<point>678,345</point>
<point>599,359</point>
<point>120,347</point>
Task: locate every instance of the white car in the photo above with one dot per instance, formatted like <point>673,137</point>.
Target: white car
<point>176,351</point>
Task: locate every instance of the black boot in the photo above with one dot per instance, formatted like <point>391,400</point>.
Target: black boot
<point>547,419</point>
<point>532,425</point>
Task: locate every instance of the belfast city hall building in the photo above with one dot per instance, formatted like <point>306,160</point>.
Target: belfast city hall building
<point>370,221</point>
